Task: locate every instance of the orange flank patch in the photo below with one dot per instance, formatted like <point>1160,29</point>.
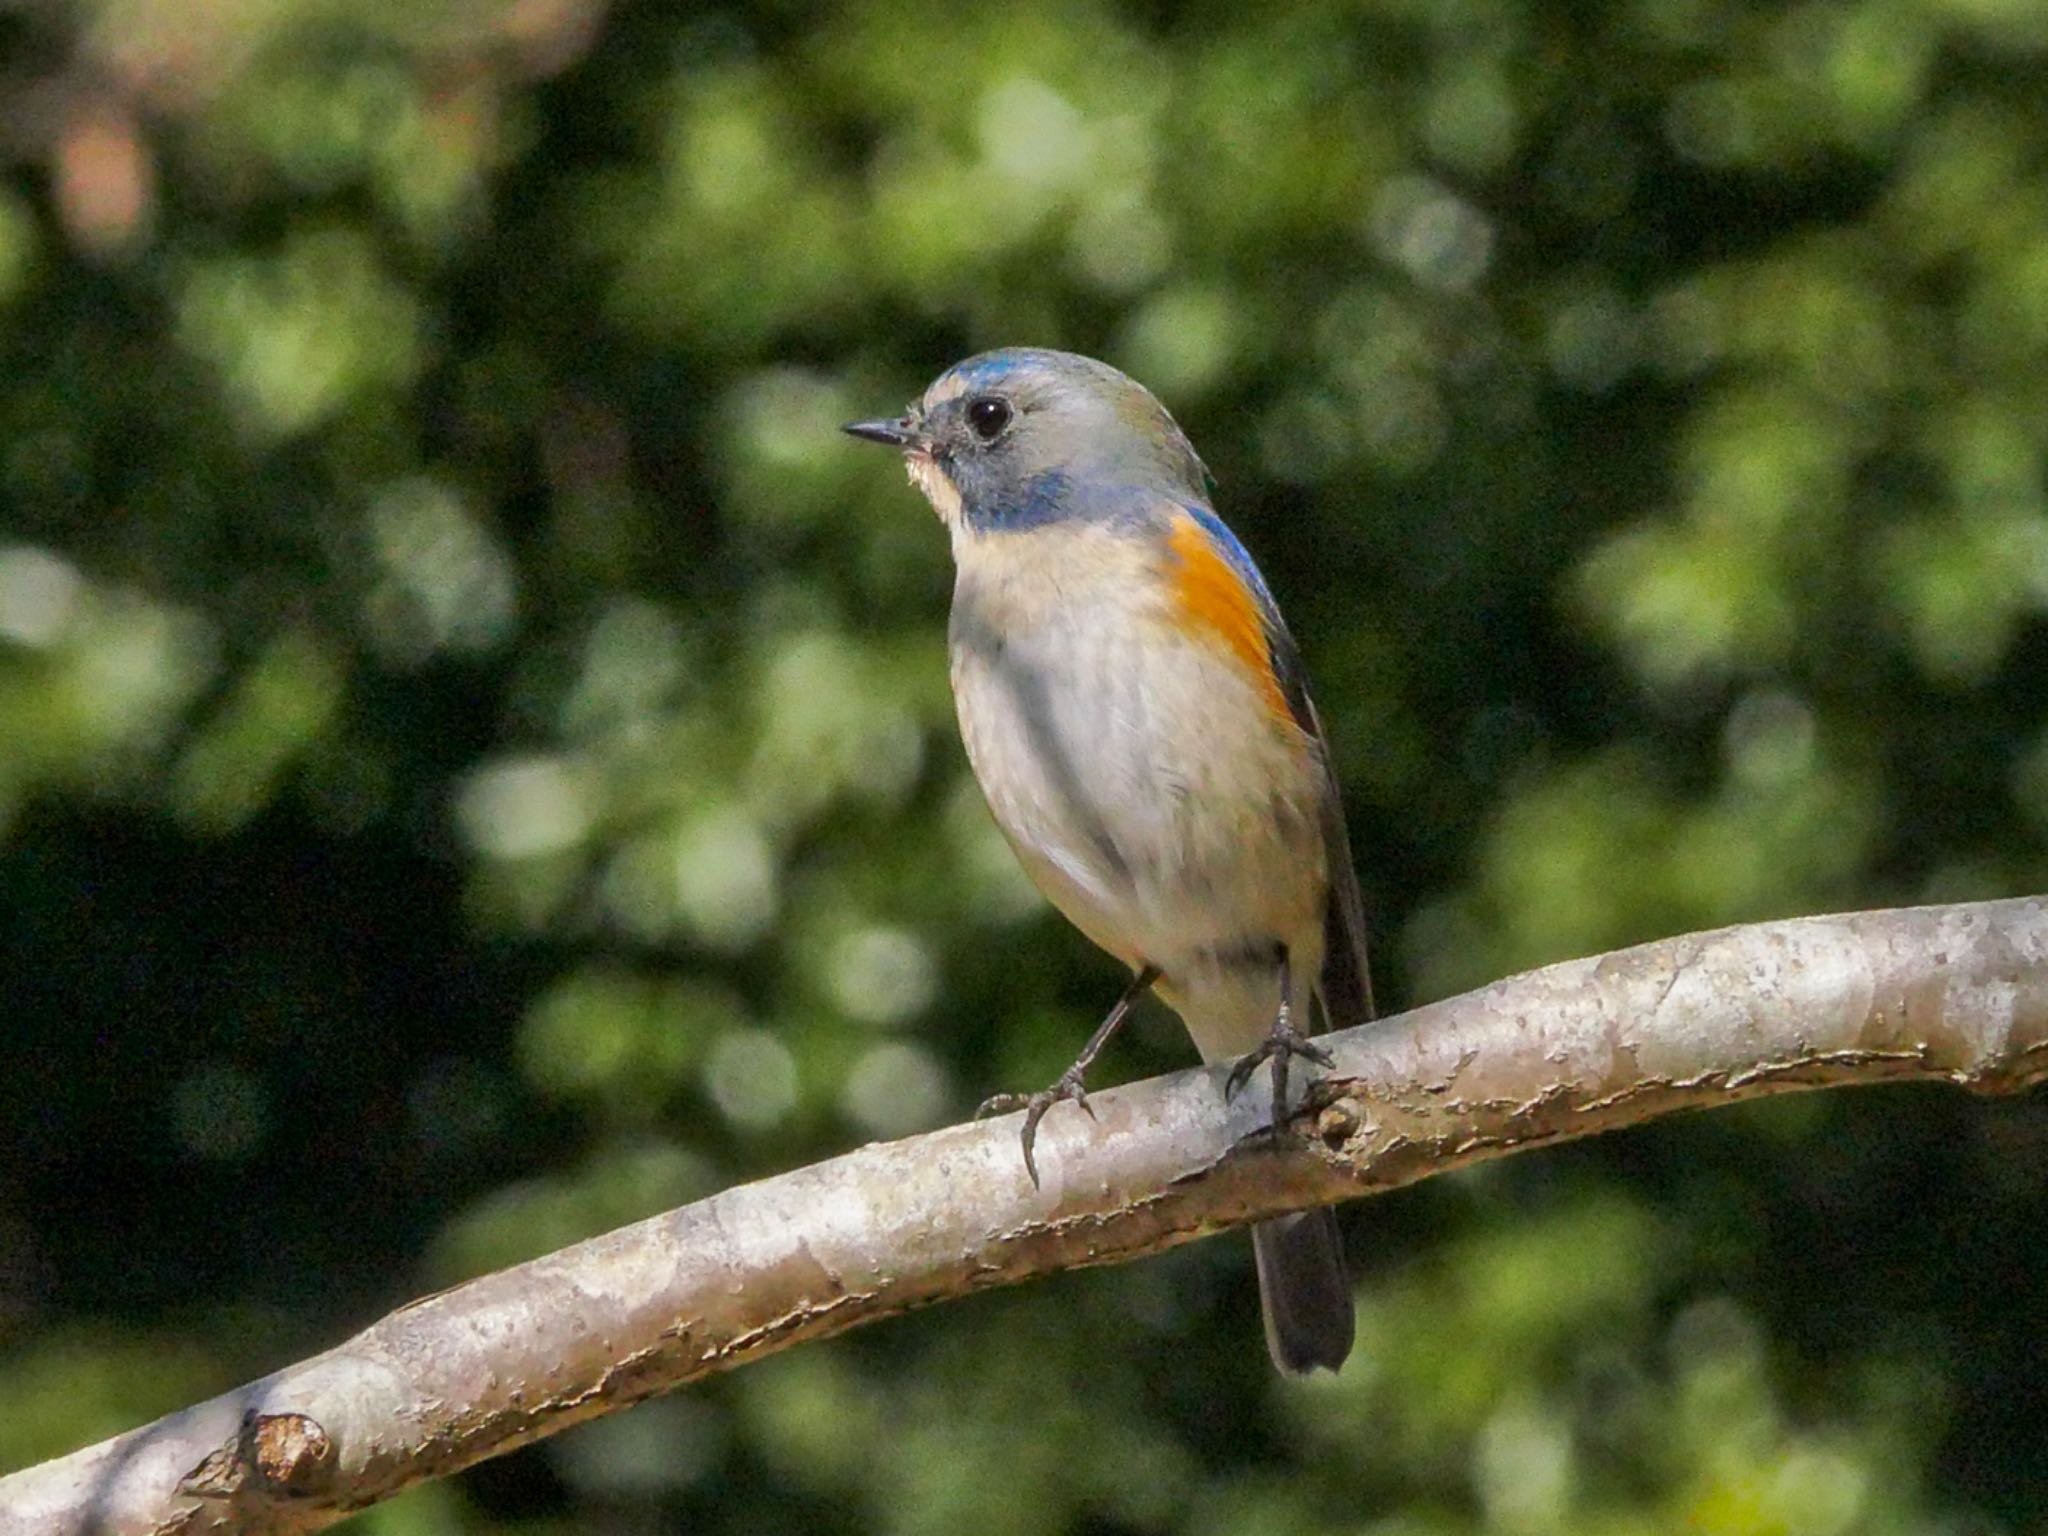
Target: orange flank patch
<point>1212,599</point>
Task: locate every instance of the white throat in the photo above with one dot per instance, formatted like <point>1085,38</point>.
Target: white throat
<point>937,486</point>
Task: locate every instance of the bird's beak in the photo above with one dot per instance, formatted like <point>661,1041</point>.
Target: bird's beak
<point>900,433</point>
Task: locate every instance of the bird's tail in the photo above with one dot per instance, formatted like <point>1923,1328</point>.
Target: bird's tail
<point>1303,1291</point>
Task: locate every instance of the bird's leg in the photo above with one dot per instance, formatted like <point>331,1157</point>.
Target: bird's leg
<point>1070,1082</point>
<point>1282,1042</point>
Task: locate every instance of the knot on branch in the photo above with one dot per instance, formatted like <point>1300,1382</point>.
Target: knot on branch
<point>271,1456</point>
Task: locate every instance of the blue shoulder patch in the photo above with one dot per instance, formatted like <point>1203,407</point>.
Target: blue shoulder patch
<point>1239,557</point>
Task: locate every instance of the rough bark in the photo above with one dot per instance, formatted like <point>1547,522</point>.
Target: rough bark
<point>1956,994</point>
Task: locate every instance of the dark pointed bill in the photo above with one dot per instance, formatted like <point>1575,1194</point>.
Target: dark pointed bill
<point>897,433</point>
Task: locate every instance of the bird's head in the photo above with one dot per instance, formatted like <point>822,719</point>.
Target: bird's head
<point>1025,436</point>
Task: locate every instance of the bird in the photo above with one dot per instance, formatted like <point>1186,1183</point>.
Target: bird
<point>1138,718</point>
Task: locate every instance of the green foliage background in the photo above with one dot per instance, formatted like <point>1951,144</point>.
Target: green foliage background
<point>476,767</point>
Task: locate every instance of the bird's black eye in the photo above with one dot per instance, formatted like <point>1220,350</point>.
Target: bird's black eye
<point>988,417</point>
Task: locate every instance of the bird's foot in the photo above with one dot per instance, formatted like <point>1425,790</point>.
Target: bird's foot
<point>1034,1105</point>
<point>1282,1044</point>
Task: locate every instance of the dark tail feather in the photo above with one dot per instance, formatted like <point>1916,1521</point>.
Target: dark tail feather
<point>1303,1291</point>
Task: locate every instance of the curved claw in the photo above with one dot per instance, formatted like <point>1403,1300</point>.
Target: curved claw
<point>1280,1046</point>
<point>1069,1084</point>
<point>1067,1089</point>
<point>1032,1116</point>
<point>1241,1071</point>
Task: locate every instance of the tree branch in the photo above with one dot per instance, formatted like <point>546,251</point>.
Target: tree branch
<point>1957,994</point>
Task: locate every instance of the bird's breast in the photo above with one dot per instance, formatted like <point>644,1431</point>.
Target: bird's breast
<point>1138,769</point>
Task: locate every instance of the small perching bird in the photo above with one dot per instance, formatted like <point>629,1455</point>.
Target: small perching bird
<point>1137,715</point>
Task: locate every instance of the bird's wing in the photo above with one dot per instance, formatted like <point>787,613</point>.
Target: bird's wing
<point>1240,603</point>
<point>1346,982</point>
